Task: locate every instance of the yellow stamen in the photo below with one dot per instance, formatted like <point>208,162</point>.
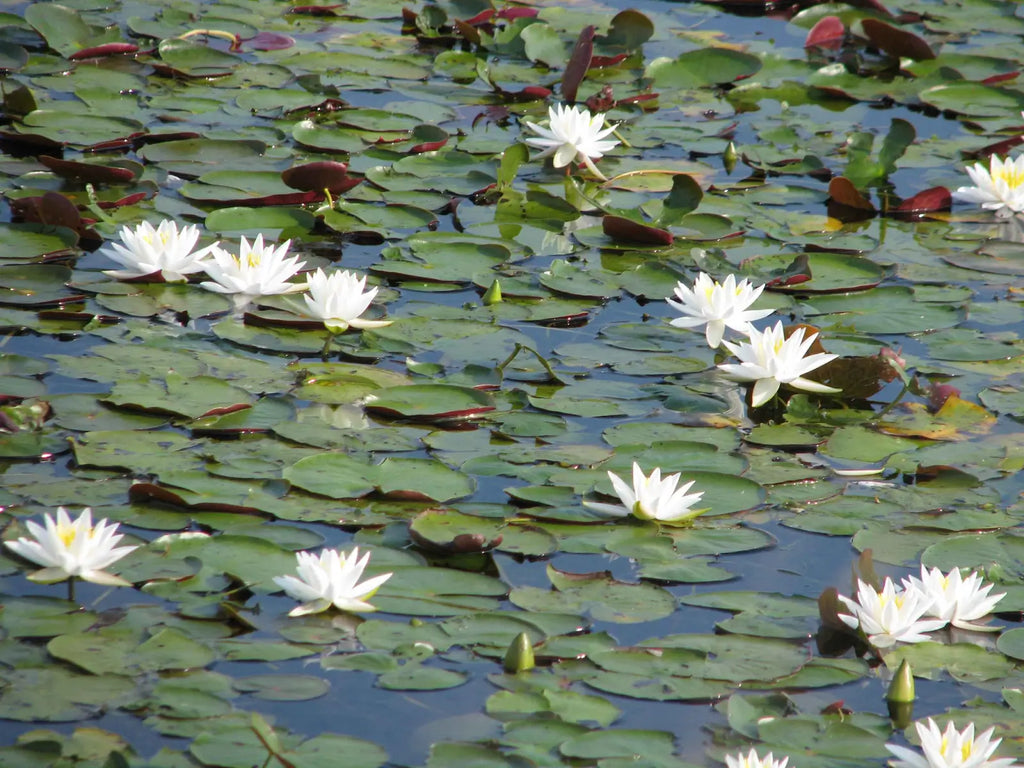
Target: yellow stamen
<point>66,535</point>
<point>965,750</point>
<point>1008,173</point>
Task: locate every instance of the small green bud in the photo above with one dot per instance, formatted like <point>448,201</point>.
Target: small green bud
<point>901,689</point>
<point>493,294</point>
<point>729,157</point>
<point>519,656</point>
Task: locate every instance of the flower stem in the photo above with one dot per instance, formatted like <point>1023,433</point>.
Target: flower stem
<point>882,413</point>
<point>95,208</point>
<point>71,589</point>
<point>326,351</point>
<point>617,135</point>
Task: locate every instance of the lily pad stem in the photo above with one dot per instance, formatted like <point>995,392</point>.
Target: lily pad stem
<point>882,413</point>
<point>224,35</point>
<point>94,206</point>
<point>515,352</point>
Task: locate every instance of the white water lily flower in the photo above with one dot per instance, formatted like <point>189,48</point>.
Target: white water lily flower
<point>164,249</point>
<point>998,188</point>
<point>717,306</point>
<point>651,498</point>
<point>769,360</point>
<point>338,300</point>
<point>753,760</point>
<point>950,749</point>
<point>573,134</point>
<point>72,548</point>
<point>331,579</point>
<point>257,270</point>
<point>890,616</point>
<point>954,599</point>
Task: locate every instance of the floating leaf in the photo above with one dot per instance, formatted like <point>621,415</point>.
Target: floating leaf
<point>430,402</point>
<point>605,598</point>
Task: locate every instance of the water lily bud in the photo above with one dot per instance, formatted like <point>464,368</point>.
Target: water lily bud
<point>493,294</point>
<point>729,157</point>
<point>901,689</point>
<point>519,656</point>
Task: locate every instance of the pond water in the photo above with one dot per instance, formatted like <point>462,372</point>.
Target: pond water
<point>458,444</point>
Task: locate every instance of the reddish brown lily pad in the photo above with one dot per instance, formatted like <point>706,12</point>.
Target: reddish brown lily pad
<point>101,51</point>
<point>827,33</point>
<point>623,229</point>
<point>89,173</point>
<point>579,63</point>
<point>896,41</point>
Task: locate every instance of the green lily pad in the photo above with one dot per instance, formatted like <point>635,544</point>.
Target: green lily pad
<point>703,67</point>
<point>53,694</point>
<point>178,395</point>
<point>118,651</point>
<point>26,242</point>
<point>430,402</point>
<point>962,661</point>
<point>239,746</point>
<point>618,743</point>
<point>455,532</point>
<point>334,475</point>
<point>828,272</point>
<point>603,597</point>
<point>283,687</point>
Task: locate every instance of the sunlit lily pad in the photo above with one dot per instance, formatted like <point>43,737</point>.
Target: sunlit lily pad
<point>240,746</point>
<point>828,272</point>
<point>530,352</point>
<point>430,402</point>
<point>605,598</point>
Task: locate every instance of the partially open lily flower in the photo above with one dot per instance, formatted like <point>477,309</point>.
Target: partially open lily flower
<point>651,498</point>
<point>338,300</point>
<point>954,599</point>
<point>257,270</point>
<point>147,250</point>
<point>717,306</point>
<point>573,134</point>
<point>890,616</point>
<point>753,760</point>
<point>72,548</point>
<point>769,359</point>
<point>331,579</point>
<point>999,188</point>
<point>950,749</point>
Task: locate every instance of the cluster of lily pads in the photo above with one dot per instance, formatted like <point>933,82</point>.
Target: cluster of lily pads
<point>397,146</point>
